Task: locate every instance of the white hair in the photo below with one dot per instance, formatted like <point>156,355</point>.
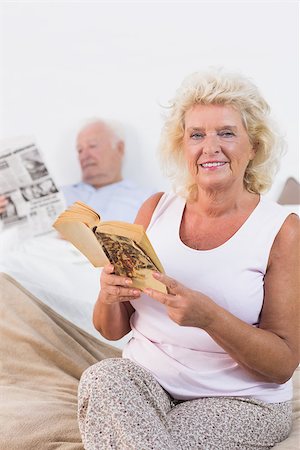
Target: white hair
<point>115,127</point>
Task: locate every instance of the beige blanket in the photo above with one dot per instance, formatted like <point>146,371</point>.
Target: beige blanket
<point>42,357</point>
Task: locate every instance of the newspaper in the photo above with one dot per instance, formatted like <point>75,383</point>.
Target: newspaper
<point>34,201</point>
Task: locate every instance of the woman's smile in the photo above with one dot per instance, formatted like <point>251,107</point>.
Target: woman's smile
<point>212,165</point>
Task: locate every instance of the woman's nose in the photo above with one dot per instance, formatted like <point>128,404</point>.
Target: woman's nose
<point>211,145</point>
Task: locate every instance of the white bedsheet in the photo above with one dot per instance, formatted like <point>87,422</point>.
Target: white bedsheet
<point>58,274</point>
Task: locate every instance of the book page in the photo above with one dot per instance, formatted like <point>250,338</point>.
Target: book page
<point>129,260</point>
<point>136,233</point>
<point>83,238</point>
<point>82,212</point>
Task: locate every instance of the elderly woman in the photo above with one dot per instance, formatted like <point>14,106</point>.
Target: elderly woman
<point>209,363</point>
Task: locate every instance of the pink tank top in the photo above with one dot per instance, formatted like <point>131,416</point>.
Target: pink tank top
<point>186,361</point>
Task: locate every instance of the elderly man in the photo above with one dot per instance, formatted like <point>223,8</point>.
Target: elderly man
<point>51,268</point>
<point>100,151</point>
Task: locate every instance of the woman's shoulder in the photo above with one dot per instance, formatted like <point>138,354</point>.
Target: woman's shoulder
<point>289,233</point>
<point>156,202</point>
<point>145,212</point>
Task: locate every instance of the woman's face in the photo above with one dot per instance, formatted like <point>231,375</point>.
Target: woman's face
<point>216,146</point>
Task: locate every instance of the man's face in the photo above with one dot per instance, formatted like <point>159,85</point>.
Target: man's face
<point>100,155</point>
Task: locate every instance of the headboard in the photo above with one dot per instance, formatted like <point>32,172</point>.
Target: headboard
<point>290,194</point>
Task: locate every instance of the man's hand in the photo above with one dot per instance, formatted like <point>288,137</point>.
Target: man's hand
<point>3,203</point>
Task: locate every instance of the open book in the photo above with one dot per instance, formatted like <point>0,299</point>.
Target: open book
<point>125,245</point>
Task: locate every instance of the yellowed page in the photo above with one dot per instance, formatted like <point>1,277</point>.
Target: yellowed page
<point>134,232</point>
<point>82,237</point>
<point>149,282</point>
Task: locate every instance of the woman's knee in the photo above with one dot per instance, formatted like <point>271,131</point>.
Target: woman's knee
<point>106,371</point>
<point>101,369</point>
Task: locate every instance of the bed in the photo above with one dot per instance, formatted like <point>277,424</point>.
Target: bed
<point>42,358</point>
<point>47,293</point>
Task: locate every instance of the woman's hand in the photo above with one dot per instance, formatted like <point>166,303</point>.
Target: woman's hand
<point>112,311</point>
<point>3,203</point>
<point>116,289</point>
<point>185,306</point>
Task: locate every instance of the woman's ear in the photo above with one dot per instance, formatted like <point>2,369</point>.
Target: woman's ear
<point>254,150</point>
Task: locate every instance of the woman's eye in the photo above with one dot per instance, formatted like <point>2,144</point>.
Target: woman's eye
<point>197,135</point>
<point>226,133</point>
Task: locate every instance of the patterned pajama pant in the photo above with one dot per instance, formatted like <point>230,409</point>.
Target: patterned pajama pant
<point>122,407</point>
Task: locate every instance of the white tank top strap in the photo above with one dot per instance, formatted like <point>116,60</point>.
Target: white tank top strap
<point>171,202</point>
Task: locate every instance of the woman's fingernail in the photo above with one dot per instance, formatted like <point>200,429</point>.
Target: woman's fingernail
<point>156,274</point>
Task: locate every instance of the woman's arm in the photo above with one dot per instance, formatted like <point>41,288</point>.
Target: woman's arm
<point>270,352</point>
<point>112,311</point>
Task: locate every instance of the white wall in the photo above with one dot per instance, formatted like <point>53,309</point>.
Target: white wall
<point>64,61</point>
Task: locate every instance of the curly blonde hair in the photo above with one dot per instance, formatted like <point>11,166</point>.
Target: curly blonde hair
<point>222,88</point>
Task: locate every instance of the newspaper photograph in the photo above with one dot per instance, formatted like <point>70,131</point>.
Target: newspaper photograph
<point>34,201</point>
